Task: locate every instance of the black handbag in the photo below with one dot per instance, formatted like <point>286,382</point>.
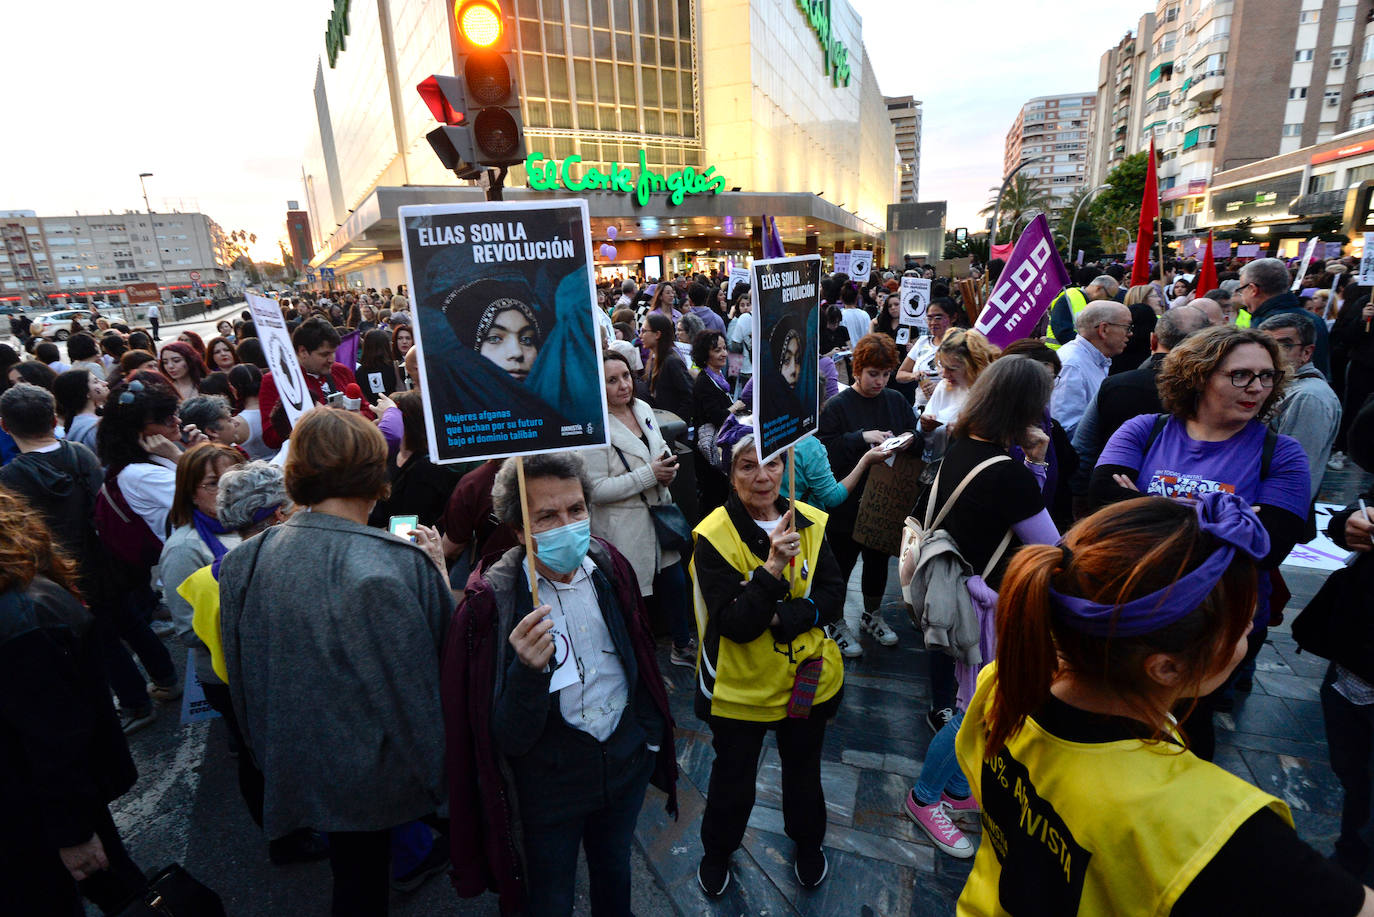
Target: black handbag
<point>670,523</point>
<point>1337,623</point>
<point>174,892</point>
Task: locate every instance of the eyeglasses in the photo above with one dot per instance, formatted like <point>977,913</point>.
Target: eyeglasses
<point>1241,378</point>
<point>133,391</point>
<point>210,485</point>
<point>1126,325</point>
<point>1244,285</point>
<point>1288,345</point>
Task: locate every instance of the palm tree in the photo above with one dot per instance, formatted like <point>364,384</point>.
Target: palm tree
<point>1021,197</point>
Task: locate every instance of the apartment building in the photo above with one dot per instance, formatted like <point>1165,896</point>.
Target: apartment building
<point>1120,102</point>
<point>905,113</point>
<point>80,257</point>
<point>1058,129</point>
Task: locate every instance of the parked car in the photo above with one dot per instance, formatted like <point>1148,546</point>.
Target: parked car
<point>56,325</point>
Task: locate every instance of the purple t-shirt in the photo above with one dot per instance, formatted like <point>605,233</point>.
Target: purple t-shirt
<point>1181,467</point>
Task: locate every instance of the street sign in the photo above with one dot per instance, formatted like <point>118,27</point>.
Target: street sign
<point>142,292</point>
<point>195,275</point>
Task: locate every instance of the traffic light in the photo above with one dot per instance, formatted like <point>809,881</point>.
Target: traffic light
<point>480,107</point>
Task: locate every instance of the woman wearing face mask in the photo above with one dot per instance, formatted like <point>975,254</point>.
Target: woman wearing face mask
<point>629,475</point>
<point>291,627</point>
<point>766,586</point>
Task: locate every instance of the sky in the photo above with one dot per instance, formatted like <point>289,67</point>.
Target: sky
<point>217,106</point>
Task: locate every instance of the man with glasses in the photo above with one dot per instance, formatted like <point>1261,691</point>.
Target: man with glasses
<point>1264,292</point>
<point>1103,329</point>
<point>1310,412</point>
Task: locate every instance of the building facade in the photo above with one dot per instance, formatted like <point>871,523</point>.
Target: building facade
<point>790,107</point>
<point>905,113</point>
<point>1056,128</point>
<point>51,260</point>
<point>1116,130</point>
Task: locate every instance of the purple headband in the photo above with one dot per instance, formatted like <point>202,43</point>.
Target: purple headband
<point>1225,517</point>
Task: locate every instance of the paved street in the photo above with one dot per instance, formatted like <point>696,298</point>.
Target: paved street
<point>186,807</point>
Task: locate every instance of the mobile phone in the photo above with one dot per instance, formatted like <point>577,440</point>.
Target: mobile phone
<point>335,400</point>
<point>403,526</point>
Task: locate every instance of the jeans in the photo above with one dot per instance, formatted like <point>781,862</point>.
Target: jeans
<point>155,322</point>
<point>1349,737</point>
<point>605,836</point>
<point>873,580</point>
<point>126,617</point>
<point>730,798</point>
<point>944,685</point>
<point>940,773</point>
<point>670,592</point>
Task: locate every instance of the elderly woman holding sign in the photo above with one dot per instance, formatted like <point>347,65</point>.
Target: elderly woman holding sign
<point>766,585</point>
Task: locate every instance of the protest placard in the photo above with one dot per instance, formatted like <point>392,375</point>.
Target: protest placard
<point>1221,248</point>
<point>914,295</point>
<point>1367,261</point>
<point>860,264</point>
<point>281,356</point>
<point>738,275</point>
<point>1321,553</point>
<point>787,296</point>
<point>194,707</point>
<point>888,497</point>
<point>841,263</point>
<point>1248,250</point>
<point>1033,277</point>
<point>953,268</point>
<point>1333,250</point>
<point>504,315</point>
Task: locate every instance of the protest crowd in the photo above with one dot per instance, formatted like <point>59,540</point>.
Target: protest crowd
<point>1097,517</point>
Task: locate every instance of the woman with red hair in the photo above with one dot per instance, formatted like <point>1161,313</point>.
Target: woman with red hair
<point>181,364</point>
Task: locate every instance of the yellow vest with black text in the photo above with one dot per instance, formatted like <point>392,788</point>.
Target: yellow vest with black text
<point>1077,303</point>
<point>1119,828</point>
<point>753,681</point>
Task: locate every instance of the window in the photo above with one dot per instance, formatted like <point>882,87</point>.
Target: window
<point>1339,57</point>
<point>1319,183</point>
<point>1308,16</point>
<point>1292,130</point>
<point>1367,53</point>
<point>1332,96</point>
<point>1171,14</point>
<point>1297,92</point>
<point>1359,173</point>
<point>1302,55</point>
<point>1345,13</point>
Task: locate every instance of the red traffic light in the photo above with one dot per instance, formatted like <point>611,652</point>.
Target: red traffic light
<point>441,95</point>
<point>479,21</point>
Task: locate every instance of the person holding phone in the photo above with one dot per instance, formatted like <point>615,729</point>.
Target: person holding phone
<point>629,475</point>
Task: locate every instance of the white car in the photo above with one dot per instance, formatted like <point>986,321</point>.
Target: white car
<point>56,325</point>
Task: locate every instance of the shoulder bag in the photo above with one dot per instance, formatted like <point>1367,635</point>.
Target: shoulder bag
<point>670,524</point>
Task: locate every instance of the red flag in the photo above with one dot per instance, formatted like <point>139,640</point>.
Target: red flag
<point>1149,212</point>
<point>1207,274</point>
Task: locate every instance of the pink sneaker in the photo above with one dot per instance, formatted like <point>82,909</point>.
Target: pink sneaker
<point>934,821</point>
<point>957,807</point>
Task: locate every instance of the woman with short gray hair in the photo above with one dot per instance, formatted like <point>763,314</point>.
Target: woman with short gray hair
<point>253,497</point>
<point>212,415</point>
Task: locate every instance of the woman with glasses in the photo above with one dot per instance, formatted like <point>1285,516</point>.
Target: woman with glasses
<point>1217,388</point>
<point>921,364</point>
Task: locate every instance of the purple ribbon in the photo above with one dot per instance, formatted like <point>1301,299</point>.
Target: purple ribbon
<point>1227,518</point>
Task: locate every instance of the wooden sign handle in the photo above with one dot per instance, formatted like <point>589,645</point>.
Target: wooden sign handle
<point>529,536</point>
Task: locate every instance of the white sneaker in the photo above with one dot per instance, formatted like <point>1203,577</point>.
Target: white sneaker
<point>872,623</point>
<point>845,639</point>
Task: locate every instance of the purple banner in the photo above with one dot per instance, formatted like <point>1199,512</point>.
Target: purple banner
<point>1033,277</point>
<point>1220,249</point>
<point>1192,247</point>
<point>1333,250</point>
<point>1248,250</point>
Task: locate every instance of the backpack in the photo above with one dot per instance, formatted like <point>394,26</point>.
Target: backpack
<point>122,531</point>
<point>915,536</point>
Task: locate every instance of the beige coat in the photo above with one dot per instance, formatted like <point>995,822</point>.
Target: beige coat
<point>618,513</point>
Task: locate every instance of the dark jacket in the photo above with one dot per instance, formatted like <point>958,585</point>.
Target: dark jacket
<point>63,757</point>
<point>276,426</point>
<point>1143,320</point>
<point>672,390</point>
<point>419,487</point>
<point>484,813</point>
<point>843,422</point>
<point>1288,301</point>
<point>1124,396</point>
<point>1350,340</point>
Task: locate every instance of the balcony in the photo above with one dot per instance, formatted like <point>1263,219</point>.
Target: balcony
<point>1322,202</point>
<point>1206,87</point>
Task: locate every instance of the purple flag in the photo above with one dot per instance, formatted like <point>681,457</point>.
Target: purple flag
<point>772,242</point>
<point>1033,277</point>
<point>347,351</point>
<point>1221,248</point>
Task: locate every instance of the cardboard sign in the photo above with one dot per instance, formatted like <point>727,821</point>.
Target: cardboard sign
<point>738,275</point>
<point>281,356</point>
<point>889,495</point>
<point>194,707</point>
<point>787,299</point>
<point>914,295</point>
<point>860,265</point>
<point>1367,261</point>
<point>841,263</point>
<point>504,308</point>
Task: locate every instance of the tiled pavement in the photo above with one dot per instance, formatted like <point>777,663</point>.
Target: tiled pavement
<point>881,864</point>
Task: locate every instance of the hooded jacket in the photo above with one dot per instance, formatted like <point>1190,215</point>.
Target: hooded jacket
<point>62,486</point>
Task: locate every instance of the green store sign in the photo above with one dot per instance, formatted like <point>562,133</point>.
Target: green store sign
<point>335,34</point>
<point>544,174</point>
<point>836,54</point>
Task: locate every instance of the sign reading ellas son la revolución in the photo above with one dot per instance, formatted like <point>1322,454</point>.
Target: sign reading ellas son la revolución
<point>546,174</point>
<point>836,54</point>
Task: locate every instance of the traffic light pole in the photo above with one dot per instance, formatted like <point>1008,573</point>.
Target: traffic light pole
<point>496,182</point>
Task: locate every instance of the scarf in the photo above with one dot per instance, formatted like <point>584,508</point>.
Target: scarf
<point>209,531</point>
<point>717,378</point>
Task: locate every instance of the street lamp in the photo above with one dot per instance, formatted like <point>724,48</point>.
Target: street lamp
<point>997,208</point>
<point>1123,229</point>
<point>1105,186</point>
<point>153,226</point>
<point>1029,214</point>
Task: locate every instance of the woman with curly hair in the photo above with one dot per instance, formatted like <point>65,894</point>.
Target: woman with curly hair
<point>1217,388</point>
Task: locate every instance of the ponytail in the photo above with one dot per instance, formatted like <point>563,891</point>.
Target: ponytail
<point>1025,646</point>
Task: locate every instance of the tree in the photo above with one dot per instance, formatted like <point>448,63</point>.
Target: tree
<point>1119,206</point>
<point>1021,197</point>
<point>288,262</point>
<point>1328,228</point>
<point>1085,235</point>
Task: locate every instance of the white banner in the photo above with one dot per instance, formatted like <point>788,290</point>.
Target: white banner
<point>914,294</point>
<point>281,356</point>
<point>860,264</point>
<point>1367,261</point>
<point>738,275</point>
<point>841,262</point>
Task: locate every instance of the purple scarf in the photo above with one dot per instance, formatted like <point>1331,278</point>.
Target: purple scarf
<point>209,531</point>
<point>718,379</point>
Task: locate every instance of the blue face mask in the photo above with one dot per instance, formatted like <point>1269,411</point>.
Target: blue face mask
<point>562,549</point>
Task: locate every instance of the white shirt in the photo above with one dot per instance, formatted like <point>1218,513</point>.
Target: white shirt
<point>856,322</point>
<point>1082,369</point>
<point>946,402</point>
<point>153,312</point>
<point>148,488</point>
<point>596,700</point>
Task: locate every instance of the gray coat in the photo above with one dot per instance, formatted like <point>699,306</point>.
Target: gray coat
<point>948,618</point>
<point>332,633</point>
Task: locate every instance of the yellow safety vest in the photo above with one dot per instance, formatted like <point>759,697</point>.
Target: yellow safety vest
<point>1242,318</point>
<point>1077,303</point>
<point>753,681</point>
<point>201,592</point>
<point>1118,828</point>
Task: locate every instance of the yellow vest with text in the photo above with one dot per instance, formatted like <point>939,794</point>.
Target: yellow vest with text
<point>1077,303</point>
<point>753,681</point>
<point>1119,828</point>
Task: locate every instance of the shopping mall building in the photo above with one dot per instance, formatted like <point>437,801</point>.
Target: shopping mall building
<point>773,101</point>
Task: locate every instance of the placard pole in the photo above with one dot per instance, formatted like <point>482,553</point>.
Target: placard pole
<point>529,536</point>
<point>791,500</point>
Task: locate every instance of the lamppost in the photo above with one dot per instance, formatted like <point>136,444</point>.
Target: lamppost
<point>1105,186</point>
<point>997,208</point>
<point>1029,215</point>
<point>153,226</point>
<point>1123,229</point>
